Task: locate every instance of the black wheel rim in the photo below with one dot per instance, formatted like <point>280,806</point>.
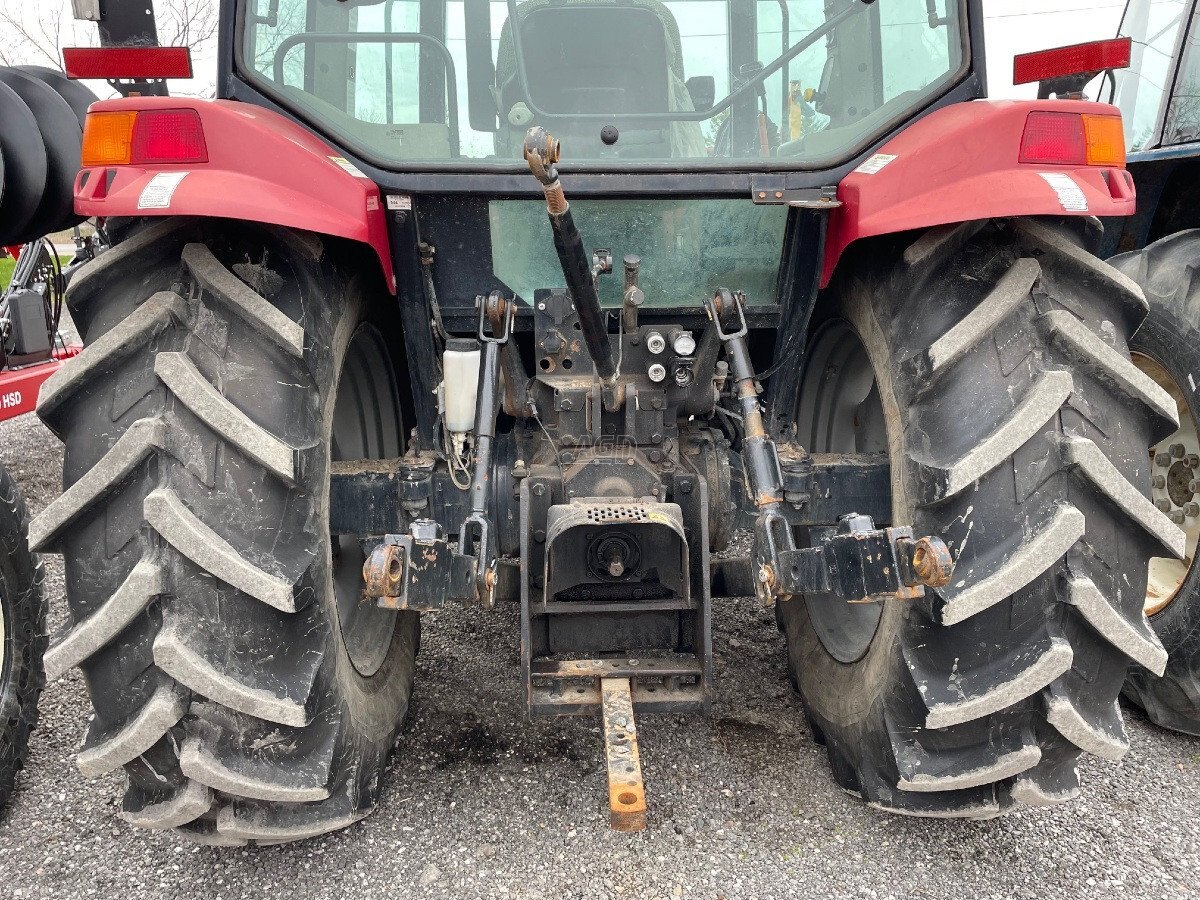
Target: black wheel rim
<point>367,424</point>
<point>839,411</point>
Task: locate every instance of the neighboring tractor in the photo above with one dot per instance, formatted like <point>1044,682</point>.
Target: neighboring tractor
<point>1159,97</point>
<point>352,360</point>
<point>41,121</point>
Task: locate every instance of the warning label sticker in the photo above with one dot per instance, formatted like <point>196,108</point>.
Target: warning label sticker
<point>399,201</point>
<point>160,189</point>
<point>875,163</point>
<point>346,166</point>
<point>1070,194</point>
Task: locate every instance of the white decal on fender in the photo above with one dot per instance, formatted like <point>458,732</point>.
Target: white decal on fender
<point>346,166</point>
<point>1070,194</point>
<point>875,163</point>
<point>159,190</point>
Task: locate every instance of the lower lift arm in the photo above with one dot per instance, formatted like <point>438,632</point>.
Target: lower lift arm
<point>856,561</point>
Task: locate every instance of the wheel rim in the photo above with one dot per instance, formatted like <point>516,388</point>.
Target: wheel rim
<point>1174,467</point>
<point>840,411</point>
<point>367,424</point>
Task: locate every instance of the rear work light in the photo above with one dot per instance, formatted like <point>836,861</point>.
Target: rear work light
<point>133,63</point>
<point>1078,59</point>
<point>143,137</point>
<point>1072,139</point>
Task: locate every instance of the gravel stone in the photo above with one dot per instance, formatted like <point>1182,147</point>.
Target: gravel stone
<point>480,803</point>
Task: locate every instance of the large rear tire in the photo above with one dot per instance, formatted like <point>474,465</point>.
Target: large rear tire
<point>235,672</point>
<point>1167,348</point>
<point>22,635</point>
<point>1015,425</point>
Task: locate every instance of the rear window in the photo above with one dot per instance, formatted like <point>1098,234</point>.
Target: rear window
<point>622,83</point>
<point>689,248</point>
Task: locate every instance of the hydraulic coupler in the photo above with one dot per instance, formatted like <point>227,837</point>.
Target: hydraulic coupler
<point>855,562</point>
<point>421,570</point>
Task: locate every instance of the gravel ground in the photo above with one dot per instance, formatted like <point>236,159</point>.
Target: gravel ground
<point>480,803</point>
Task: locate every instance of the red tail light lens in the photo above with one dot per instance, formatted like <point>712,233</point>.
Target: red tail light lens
<point>1077,59</point>
<point>1054,137</point>
<point>168,136</point>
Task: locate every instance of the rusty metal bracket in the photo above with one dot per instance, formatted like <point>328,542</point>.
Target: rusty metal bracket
<point>419,571</point>
<point>626,790</point>
<point>772,190</point>
<point>859,563</point>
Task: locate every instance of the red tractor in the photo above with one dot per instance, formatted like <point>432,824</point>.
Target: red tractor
<point>350,360</point>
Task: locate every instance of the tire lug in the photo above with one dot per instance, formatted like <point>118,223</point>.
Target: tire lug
<point>1193,460</point>
<point>1163,504</point>
<point>1160,481</point>
<point>1177,451</point>
<point>1193,485</point>
<point>1177,517</point>
<point>1192,510</point>
<point>1162,459</point>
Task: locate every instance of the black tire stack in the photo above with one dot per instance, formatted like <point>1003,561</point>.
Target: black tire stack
<point>41,133</point>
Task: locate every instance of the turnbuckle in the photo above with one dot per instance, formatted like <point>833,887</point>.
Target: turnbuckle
<point>855,561</point>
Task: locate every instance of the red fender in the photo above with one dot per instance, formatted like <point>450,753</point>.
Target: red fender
<point>262,167</point>
<point>961,163</point>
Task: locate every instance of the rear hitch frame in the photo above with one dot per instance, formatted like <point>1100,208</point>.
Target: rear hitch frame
<point>421,570</point>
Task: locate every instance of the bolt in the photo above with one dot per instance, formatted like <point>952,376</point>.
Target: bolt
<point>1177,517</point>
<point>1192,510</point>
<point>538,489</point>
<point>1193,486</point>
<point>655,343</point>
<point>1163,504</point>
<point>1162,459</point>
<point>1193,461</point>
<point>1160,481</point>
<point>685,487</point>
<point>683,344</point>
<point>1177,451</point>
<point>656,456</point>
<point>568,457</point>
<point>656,373</point>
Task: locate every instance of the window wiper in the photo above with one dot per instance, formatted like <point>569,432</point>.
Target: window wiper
<point>750,85</point>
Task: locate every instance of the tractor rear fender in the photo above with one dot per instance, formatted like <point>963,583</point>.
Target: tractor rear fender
<point>961,163</point>
<point>261,167</point>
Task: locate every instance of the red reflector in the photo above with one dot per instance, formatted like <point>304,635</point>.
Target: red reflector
<point>1095,56</point>
<point>127,62</point>
<point>168,136</point>
<point>1054,137</point>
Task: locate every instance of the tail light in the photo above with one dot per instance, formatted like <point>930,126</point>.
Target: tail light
<point>1073,139</point>
<point>143,137</point>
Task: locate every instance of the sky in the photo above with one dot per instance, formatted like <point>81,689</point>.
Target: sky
<point>1011,26</point>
